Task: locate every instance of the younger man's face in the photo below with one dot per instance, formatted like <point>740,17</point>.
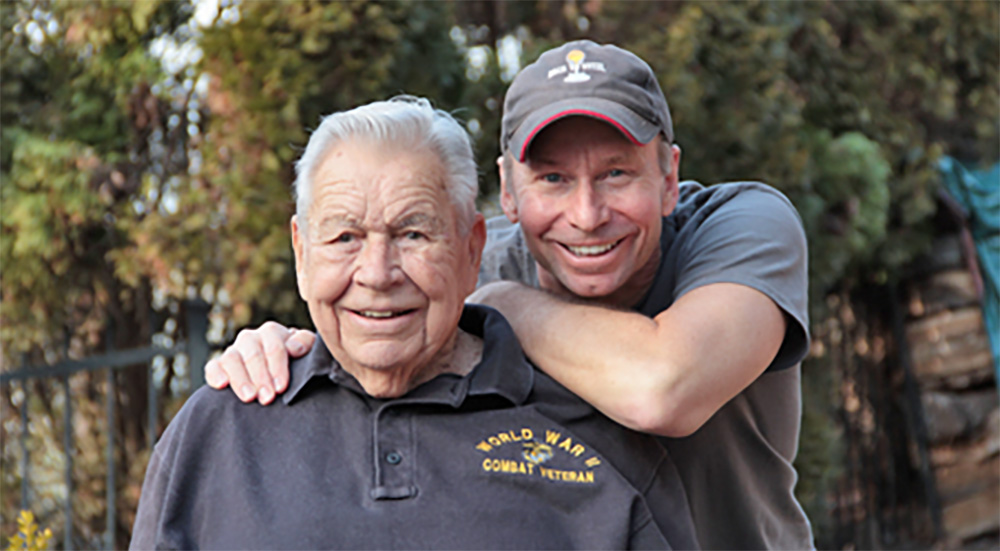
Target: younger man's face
<point>590,203</point>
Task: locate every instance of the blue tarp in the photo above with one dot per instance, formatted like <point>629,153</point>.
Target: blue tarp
<point>978,192</point>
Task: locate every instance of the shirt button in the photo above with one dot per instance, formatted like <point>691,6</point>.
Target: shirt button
<point>393,458</point>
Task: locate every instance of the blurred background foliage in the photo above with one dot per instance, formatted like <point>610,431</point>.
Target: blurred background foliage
<point>146,158</point>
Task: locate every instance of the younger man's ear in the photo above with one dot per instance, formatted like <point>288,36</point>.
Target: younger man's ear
<point>508,202</point>
<point>671,181</point>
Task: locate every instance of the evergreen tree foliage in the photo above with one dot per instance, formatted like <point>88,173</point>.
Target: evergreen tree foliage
<point>146,159</point>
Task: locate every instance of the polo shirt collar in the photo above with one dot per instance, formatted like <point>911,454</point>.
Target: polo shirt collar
<point>316,363</point>
<point>504,370</point>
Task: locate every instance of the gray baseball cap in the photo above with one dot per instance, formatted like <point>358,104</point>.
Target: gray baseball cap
<point>583,78</point>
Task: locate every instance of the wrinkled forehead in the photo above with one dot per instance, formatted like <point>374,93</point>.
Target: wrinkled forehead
<point>367,182</point>
<point>373,152</point>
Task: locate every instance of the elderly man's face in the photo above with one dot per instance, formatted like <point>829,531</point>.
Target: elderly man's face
<point>383,265</point>
<point>590,204</point>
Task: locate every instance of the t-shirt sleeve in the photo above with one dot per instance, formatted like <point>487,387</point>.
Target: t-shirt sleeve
<point>754,237</point>
<point>506,256</point>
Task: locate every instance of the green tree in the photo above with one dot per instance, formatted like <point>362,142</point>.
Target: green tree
<point>147,160</point>
<point>791,93</point>
<point>77,143</point>
<point>274,73</point>
<point>844,106</point>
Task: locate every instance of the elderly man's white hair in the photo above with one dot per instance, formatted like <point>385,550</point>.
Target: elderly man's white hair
<point>403,121</point>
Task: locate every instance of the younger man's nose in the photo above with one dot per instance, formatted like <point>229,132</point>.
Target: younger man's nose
<point>587,209</point>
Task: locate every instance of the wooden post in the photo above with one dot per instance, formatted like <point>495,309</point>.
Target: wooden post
<point>68,450</point>
<point>914,411</point>
<point>151,408</point>
<point>109,492</point>
<point>25,463</point>
<point>197,340</point>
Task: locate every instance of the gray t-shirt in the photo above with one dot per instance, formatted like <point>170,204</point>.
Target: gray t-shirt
<point>737,468</point>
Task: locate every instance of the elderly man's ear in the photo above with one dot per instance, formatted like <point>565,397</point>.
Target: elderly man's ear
<point>477,240</point>
<point>298,246</point>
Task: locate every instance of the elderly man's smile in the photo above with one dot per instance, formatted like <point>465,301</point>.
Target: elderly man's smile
<point>382,314</point>
<point>382,320</point>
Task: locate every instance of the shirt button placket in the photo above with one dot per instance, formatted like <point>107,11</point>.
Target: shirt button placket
<point>394,453</point>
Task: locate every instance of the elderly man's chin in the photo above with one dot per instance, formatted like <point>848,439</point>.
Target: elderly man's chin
<point>386,367</point>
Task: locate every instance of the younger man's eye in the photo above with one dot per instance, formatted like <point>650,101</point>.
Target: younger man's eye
<point>552,178</point>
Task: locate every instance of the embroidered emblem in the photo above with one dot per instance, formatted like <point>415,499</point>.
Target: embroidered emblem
<point>577,67</point>
<point>536,452</point>
<point>565,460</point>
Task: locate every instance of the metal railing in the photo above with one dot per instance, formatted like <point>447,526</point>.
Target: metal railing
<point>197,349</point>
<point>886,496</point>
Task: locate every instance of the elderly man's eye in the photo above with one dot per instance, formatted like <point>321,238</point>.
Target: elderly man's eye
<point>344,238</point>
<point>414,235</point>
<point>615,172</point>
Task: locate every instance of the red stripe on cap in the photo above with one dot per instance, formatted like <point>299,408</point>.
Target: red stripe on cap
<point>543,124</point>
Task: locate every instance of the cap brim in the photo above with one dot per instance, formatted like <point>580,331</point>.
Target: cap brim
<point>637,129</point>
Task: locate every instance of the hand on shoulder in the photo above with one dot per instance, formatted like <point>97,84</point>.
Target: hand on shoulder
<point>255,366</point>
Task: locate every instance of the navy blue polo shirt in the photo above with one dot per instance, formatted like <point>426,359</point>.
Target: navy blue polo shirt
<point>503,458</point>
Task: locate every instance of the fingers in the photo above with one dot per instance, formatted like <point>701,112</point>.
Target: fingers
<point>257,349</point>
<point>256,364</point>
<point>280,343</point>
<point>233,368</point>
<point>215,376</point>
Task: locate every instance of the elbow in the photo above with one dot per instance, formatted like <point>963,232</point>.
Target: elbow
<point>663,398</point>
<point>663,414</point>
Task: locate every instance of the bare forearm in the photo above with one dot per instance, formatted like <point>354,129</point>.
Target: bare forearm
<point>593,351</point>
<point>666,375</point>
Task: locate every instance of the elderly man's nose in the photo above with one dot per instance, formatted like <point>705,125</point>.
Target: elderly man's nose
<point>379,265</point>
<point>587,209</point>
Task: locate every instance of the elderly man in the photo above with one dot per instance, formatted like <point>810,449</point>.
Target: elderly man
<point>415,421</point>
<point>687,305</point>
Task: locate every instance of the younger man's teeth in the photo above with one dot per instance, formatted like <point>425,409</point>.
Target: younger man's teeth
<point>592,250</point>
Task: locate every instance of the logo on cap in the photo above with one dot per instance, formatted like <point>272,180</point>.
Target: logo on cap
<point>576,67</point>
